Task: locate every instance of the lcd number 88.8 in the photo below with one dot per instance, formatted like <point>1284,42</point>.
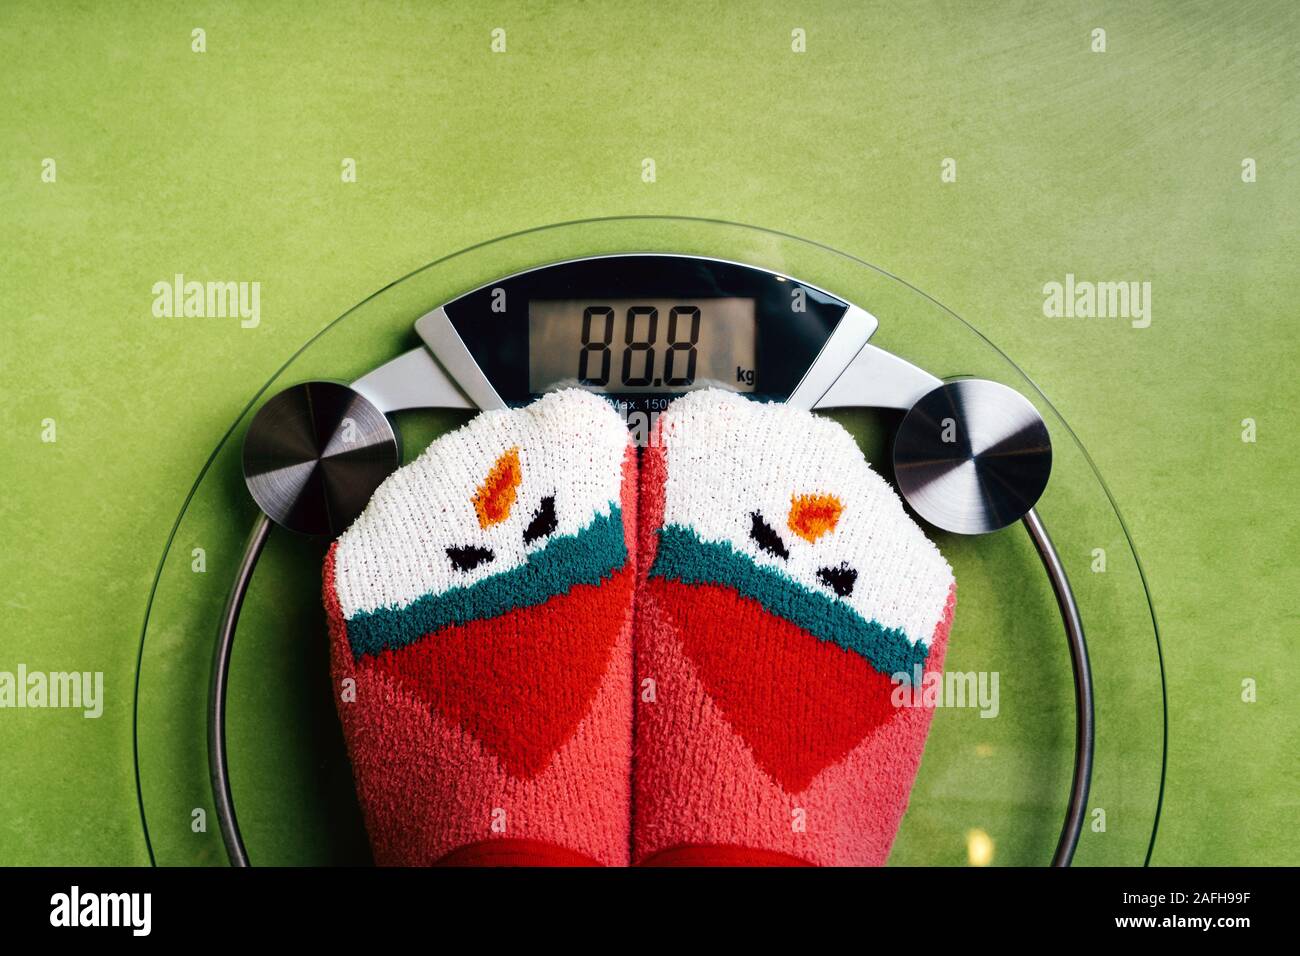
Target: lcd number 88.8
<point>639,353</point>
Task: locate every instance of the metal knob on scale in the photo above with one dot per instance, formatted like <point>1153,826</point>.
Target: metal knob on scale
<point>315,453</point>
<point>972,456</point>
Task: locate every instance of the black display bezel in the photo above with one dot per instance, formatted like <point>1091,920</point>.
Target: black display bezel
<point>787,341</point>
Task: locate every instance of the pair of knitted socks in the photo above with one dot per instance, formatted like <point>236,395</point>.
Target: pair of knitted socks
<point>549,650</point>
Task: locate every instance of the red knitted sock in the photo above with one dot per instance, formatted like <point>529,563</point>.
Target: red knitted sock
<point>480,621</point>
<point>782,586</point>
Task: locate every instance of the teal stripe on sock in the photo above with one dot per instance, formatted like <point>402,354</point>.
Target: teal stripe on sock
<point>684,557</point>
<point>588,557</point>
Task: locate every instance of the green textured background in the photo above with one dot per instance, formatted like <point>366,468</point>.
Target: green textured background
<point>1122,165</point>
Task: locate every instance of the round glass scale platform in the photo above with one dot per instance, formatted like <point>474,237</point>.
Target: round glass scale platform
<point>995,778</point>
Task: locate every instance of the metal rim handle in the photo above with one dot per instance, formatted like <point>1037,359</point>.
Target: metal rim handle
<point>218,767</point>
<point>1084,724</point>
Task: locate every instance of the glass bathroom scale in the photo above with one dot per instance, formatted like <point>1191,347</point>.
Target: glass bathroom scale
<point>996,774</point>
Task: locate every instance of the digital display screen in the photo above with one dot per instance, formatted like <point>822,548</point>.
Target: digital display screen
<point>641,345</point>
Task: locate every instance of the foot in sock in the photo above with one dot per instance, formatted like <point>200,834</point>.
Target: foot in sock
<point>480,624</point>
<point>782,587</point>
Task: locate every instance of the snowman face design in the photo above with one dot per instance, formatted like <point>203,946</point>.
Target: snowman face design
<point>480,508</point>
<point>493,502</point>
<point>811,516</point>
<point>790,495</point>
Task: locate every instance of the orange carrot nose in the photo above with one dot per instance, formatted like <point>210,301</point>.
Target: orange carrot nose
<point>496,496</point>
<point>812,516</point>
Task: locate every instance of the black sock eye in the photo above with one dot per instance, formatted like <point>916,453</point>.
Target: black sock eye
<point>765,537</point>
<point>469,557</point>
<point>840,580</point>
<point>543,522</point>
